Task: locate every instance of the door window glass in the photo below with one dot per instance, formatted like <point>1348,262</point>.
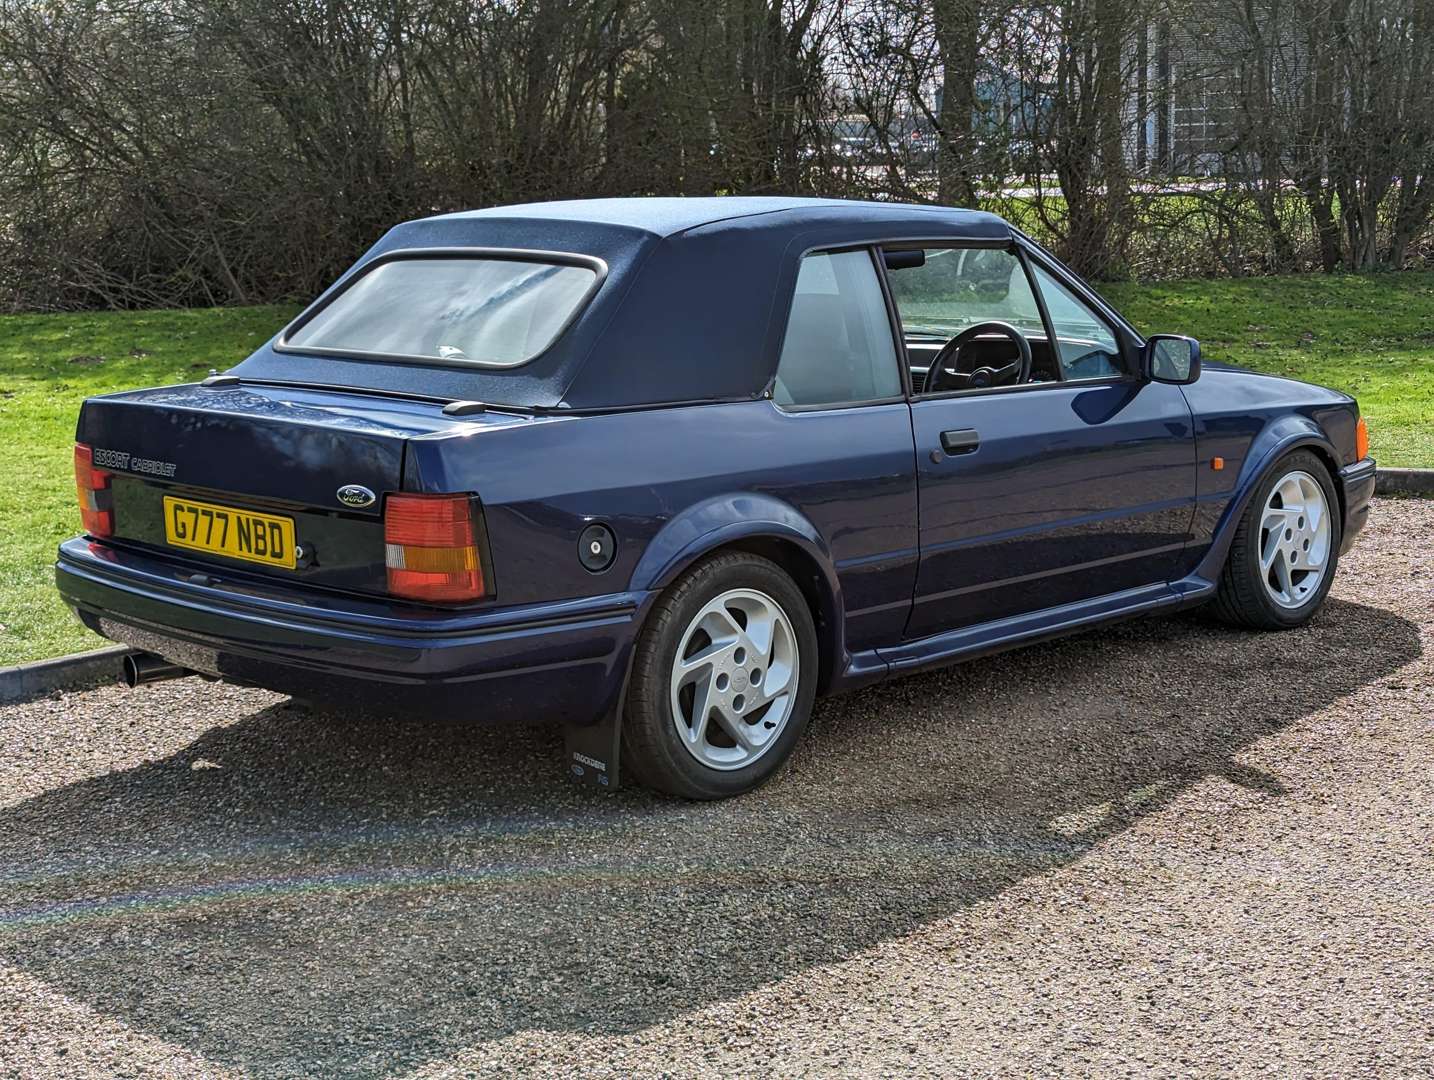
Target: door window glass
<point>942,292</point>
<point>838,348</point>
<point>955,288</point>
<point>1085,343</point>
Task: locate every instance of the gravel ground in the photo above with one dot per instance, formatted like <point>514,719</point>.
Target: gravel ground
<point>1161,848</point>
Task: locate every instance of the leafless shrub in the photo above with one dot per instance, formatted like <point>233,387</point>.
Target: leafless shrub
<point>207,152</point>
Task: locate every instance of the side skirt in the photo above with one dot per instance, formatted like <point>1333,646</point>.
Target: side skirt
<point>992,637</point>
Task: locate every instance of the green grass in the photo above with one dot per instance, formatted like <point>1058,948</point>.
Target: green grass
<point>1370,336</point>
<point>48,365</point>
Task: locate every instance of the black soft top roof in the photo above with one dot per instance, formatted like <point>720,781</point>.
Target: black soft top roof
<point>692,307</point>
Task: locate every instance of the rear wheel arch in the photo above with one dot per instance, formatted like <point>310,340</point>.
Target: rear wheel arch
<point>762,525</point>
<point>808,574</point>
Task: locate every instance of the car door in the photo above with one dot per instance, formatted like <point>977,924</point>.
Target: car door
<point>1076,484</point>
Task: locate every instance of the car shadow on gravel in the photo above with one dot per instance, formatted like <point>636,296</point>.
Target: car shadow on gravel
<point>296,893</point>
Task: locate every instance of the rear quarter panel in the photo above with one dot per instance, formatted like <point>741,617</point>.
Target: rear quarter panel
<point>673,482</point>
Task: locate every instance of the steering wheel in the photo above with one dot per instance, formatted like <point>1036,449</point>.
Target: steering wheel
<point>944,376</point>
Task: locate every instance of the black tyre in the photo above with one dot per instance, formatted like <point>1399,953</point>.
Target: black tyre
<point>722,681</point>
<point>1286,548</point>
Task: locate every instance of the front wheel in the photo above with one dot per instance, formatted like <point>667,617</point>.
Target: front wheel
<point>723,680</point>
<point>1282,560</point>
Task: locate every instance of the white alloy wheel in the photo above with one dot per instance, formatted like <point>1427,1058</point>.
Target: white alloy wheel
<point>1294,539</point>
<point>734,679</point>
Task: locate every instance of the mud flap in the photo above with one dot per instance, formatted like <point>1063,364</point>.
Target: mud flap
<point>592,751</point>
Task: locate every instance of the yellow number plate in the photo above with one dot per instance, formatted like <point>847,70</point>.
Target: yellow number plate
<point>223,530</point>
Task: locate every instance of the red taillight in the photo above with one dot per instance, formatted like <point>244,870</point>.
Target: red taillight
<point>92,485</point>
<point>432,548</point>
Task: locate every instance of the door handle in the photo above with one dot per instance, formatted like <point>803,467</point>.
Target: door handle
<point>960,441</point>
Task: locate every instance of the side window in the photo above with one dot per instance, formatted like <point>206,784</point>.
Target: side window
<point>941,292</point>
<point>1085,343</point>
<point>838,347</point>
<point>953,288</point>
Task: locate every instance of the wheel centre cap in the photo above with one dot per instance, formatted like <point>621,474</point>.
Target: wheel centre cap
<point>739,681</point>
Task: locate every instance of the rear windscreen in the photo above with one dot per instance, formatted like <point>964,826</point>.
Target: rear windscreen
<point>482,311</point>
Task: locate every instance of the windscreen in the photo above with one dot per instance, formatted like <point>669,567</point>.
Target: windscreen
<point>483,311</point>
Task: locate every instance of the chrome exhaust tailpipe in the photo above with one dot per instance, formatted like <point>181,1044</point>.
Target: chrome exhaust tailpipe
<point>141,668</point>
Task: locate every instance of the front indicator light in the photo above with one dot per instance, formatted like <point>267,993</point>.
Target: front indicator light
<point>432,549</point>
<point>1361,440</point>
<point>92,486</point>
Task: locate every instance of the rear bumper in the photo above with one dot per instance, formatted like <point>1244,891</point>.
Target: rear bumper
<point>564,660</point>
<point>1356,484</point>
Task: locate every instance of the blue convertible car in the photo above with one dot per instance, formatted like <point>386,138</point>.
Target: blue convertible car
<point>667,469</point>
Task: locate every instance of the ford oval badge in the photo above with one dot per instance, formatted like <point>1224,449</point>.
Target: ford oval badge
<point>356,495</point>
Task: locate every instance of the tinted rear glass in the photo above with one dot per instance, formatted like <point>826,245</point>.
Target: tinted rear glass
<point>484,311</point>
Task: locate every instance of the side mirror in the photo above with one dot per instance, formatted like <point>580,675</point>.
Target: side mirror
<point>1171,358</point>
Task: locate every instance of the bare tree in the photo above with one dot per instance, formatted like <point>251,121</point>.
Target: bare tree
<point>240,151</point>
